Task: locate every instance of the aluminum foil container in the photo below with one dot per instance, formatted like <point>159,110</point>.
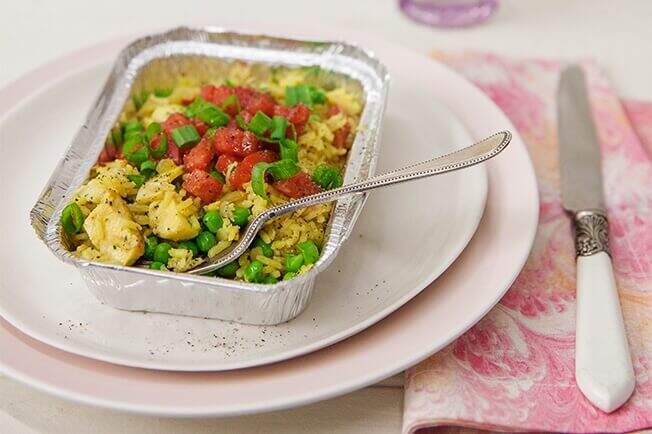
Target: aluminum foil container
<point>156,61</point>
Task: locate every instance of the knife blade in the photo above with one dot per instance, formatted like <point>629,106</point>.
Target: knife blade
<point>579,148</point>
<point>603,366</point>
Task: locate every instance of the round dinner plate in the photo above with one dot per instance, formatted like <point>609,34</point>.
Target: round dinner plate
<point>439,314</point>
<point>380,268</point>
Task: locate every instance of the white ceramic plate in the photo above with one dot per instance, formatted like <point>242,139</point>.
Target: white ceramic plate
<point>406,237</point>
<point>438,315</point>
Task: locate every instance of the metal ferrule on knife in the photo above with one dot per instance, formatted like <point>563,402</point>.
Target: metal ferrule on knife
<point>591,232</point>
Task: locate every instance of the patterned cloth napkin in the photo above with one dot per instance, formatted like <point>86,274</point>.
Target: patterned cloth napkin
<point>514,371</point>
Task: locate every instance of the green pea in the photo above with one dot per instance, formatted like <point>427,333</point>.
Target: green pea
<point>264,247</point>
<point>270,280</point>
<point>150,247</point>
<point>161,253</point>
<point>156,265</point>
<point>213,221</point>
<point>228,270</point>
<point>253,271</point>
<point>309,251</point>
<point>293,262</point>
<point>205,241</point>
<point>72,218</point>
<point>241,216</point>
<point>189,245</point>
<point>290,275</point>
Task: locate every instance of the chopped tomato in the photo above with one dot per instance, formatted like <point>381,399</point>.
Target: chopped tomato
<point>224,161</point>
<point>340,135</point>
<point>234,141</point>
<point>298,186</point>
<point>200,156</point>
<point>175,120</point>
<point>254,101</point>
<point>202,185</point>
<point>109,153</point>
<point>217,95</point>
<point>242,173</point>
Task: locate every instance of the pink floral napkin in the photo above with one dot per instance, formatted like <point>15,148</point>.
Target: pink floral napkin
<point>514,371</point>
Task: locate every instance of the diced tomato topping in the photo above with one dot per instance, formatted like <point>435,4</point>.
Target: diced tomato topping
<point>242,173</point>
<point>217,95</point>
<point>200,126</point>
<point>298,186</point>
<point>281,110</point>
<point>340,135</point>
<point>234,141</point>
<point>224,161</point>
<point>202,185</point>
<point>199,157</point>
<point>253,101</point>
<point>175,120</point>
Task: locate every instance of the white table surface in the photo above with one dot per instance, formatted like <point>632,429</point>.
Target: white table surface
<point>32,32</point>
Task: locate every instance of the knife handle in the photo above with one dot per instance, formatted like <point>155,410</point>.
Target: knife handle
<point>603,366</point>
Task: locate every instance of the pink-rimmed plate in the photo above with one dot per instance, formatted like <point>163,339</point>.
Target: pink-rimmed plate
<point>444,310</point>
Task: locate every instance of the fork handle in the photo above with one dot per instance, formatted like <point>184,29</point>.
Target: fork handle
<point>603,366</point>
<point>466,157</point>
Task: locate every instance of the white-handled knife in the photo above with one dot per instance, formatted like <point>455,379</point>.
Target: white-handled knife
<point>603,365</point>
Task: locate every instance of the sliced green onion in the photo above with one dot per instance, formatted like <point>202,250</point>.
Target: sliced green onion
<point>131,129</point>
<point>217,175</point>
<point>185,135</point>
<point>152,129</point>
<point>258,179</point>
<point>283,169</point>
<point>229,83</point>
<point>162,92</point>
<point>291,97</point>
<point>279,126</point>
<point>327,177</point>
<point>72,218</point>
<point>162,147</point>
<point>289,149</point>
<point>260,123</point>
<point>304,94</point>
<point>213,116</point>
<point>139,180</point>
<point>309,251</point>
<point>192,108</point>
<point>135,151</point>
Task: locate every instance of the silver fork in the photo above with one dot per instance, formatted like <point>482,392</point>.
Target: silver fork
<point>466,157</point>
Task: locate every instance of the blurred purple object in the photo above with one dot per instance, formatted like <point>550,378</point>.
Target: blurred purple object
<point>449,13</point>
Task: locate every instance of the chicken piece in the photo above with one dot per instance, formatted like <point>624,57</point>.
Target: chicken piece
<point>113,231</point>
<point>174,218</point>
<point>153,190</point>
